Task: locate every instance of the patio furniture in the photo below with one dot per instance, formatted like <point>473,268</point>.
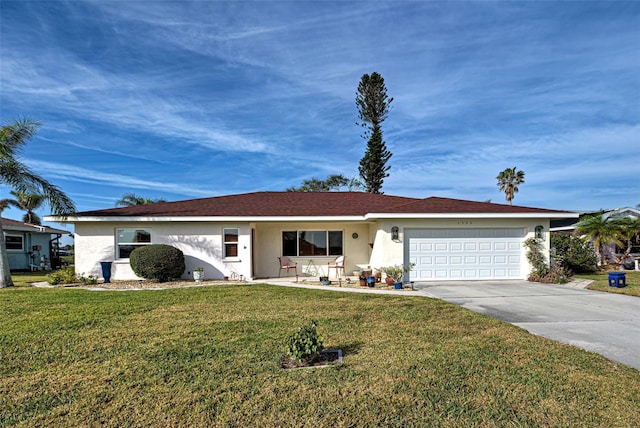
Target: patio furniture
<point>287,264</point>
<point>337,264</point>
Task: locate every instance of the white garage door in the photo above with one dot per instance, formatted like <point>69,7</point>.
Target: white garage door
<point>464,254</point>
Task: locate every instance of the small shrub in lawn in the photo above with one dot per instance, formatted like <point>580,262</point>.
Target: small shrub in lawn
<point>305,344</point>
<point>65,275</point>
<point>157,262</point>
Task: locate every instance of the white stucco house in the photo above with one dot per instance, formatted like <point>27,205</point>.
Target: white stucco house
<point>244,234</point>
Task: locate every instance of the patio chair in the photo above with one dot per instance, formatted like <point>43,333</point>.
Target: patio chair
<point>287,264</point>
<point>337,264</point>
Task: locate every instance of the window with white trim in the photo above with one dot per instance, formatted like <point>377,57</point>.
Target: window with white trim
<point>230,244</point>
<point>14,242</point>
<point>308,243</point>
<point>129,239</point>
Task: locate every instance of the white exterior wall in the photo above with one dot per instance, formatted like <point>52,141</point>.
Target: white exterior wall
<point>387,252</point>
<point>268,248</point>
<point>200,242</point>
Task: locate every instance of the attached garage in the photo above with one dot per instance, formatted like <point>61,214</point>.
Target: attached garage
<point>465,254</point>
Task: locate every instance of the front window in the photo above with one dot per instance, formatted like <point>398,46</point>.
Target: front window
<point>230,243</point>
<point>128,240</point>
<point>14,242</point>
<point>309,243</point>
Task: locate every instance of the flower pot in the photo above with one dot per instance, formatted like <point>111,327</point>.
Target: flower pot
<point>198,275</point>
<point>389,280</point>
<point>326,282</point>
<point>363,282</point>
<point>106,271</point>
<point>397,286</point>
<point>371,281</point>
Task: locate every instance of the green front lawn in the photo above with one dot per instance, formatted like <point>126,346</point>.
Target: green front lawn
<point>210,357</point>
<point>602,283</point>
<point>24,279</point>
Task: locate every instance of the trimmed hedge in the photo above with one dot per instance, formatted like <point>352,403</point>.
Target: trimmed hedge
<point>157,262</point>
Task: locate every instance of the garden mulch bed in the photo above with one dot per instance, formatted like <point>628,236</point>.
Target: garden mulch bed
<point>326,358</point>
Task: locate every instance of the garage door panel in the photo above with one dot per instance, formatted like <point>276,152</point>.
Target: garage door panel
<point>455,260</point>
<point>458,254</point>
<point>485,246</point>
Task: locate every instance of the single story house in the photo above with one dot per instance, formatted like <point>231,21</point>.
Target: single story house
<point>30,246</point>
<point>243,235</point>
<point>611,251</point>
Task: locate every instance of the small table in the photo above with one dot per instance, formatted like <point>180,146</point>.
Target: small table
<point>310,269</point>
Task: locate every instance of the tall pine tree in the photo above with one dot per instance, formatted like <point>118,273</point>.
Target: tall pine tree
<point>373,108</point>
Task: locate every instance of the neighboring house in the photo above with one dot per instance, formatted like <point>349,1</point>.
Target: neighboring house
<point>243,235</point>
<point>612,250</point>
<point>30,246</point>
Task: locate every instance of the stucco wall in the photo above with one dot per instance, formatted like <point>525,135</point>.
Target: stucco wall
<point>201,244</point>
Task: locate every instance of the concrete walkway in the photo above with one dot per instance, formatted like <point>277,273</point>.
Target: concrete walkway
<point>605,323</point>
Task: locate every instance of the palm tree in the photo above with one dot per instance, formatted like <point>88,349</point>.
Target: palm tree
<point>600,232</point>
<point>629,229</point>
<point>508,181</point>
<point>131,199</point>
<point>18,176</point>
<point>29,202</point>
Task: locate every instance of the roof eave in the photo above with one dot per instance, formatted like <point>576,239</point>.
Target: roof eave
<point>374,216</point>
<point>217,219</point>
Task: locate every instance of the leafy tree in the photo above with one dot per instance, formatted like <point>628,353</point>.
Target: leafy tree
<point>600,232</point>
<point>131,199</point>
<point>508,182</point>
<point>18,176</point>
<point>573,253</point>
<point>332,183</point>
<point>373,108</point>
<point>29,202</point>
<point>628,230</point>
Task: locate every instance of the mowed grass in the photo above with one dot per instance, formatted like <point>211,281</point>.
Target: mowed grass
<point>24,279</point>
<point>210,357</point>
<point>601,282</point>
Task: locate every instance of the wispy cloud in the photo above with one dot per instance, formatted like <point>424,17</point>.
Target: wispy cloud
<point>223,97</point>
<point>83,175</point>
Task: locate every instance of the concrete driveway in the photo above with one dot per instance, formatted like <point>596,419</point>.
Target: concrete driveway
<point>605,323</point>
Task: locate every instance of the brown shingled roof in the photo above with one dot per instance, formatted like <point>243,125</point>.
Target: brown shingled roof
<point>308,204</point>
<point>9,224</point>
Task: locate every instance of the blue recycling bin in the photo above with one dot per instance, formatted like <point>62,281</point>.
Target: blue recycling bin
<point>106,271</point>
<point>617,279</point>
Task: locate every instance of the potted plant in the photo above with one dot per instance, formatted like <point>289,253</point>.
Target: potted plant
<point>396,273</point>
<point>198,274</point>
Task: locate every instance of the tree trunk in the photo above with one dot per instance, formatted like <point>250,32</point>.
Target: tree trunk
<point>5,273</point>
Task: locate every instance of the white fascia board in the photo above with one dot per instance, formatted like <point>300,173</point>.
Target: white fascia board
<point>134,219</point>
<point>468,215</point>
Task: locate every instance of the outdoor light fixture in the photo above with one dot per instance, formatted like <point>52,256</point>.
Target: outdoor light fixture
<point>539,230</point>
<point>395,233</point>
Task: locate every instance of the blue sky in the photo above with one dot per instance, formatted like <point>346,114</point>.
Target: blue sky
<point>181,100</point>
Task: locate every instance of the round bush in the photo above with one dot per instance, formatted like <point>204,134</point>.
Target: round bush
<point>157,262</point>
